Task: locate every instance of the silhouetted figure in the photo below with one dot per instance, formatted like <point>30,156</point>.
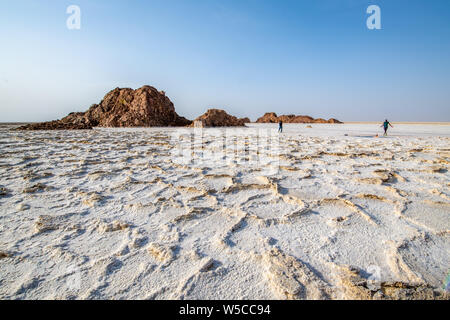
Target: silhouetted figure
<point>280,126</point>
<point>386,125</point>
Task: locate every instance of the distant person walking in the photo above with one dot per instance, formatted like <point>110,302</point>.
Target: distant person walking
<point>280,126</point>
<point>386,125</point>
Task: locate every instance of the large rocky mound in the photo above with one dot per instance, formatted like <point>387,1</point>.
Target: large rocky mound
<point>218,118</point>
<point>143,107</point>
<point>271,117</point>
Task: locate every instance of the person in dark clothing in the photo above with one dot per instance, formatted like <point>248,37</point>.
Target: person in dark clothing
<point>386,125</point>
<point>280,126</point>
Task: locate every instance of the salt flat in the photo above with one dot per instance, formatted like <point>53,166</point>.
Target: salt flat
<point>328,212</point>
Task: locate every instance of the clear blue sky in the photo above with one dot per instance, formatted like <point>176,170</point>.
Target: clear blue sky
<point>246,56</point>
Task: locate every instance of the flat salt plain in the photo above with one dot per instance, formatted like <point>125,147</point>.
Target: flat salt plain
<point>333,213</point>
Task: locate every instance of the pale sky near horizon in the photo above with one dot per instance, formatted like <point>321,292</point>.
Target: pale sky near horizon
<point>248,57</point>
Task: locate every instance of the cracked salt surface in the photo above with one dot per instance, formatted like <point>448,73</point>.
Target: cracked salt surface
<point>111,214</point>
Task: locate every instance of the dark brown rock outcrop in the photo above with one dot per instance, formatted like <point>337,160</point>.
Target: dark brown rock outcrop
<point>143,107</point>
<point>271,117</point>
<point>333,120</point>
<point>218,118</point>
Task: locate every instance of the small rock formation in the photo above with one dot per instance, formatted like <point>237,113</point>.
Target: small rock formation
<point>143,107</point>
<point>271,117</point>
<point>218,118</point>
<point>333,120</point>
